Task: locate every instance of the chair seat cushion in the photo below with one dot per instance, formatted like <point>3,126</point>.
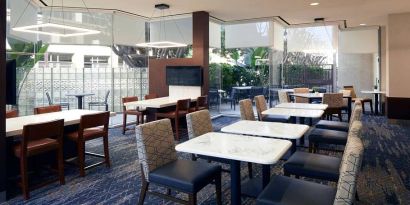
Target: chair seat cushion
<point>315,166</point>
<point>289,191</point>
<point>328,136</point>
<point>88,134</point>
<point>333,125</point>
<point>275,118</point>
<point>37,146</point>
<point>185,175</point>
<point>133,112</point>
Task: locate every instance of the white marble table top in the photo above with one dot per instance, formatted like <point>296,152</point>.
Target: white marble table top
<point>242,87</point>
<point>267,129</point>
<point>313,95</point>
<point>373,92</point>
<point>308,106</point>
<point>14,126</point>
<point>237,147</point>
<point>309,113</point>
<point>154,103</point>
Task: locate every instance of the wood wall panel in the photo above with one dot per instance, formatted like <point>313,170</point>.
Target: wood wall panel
<point>398,108</point>
<point>200,57</point>
<point>2,100</point>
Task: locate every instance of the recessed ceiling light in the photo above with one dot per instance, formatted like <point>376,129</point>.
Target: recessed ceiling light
<point>363,24</point>
<point>314,4</point>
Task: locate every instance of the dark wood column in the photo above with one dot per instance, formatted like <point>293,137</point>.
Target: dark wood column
<point>200,56</point>
<point>3,22</point>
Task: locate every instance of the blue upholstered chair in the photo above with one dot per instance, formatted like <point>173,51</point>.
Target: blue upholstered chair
<point>160,165</point>
<point>326,136</point>
<point>284,190</point>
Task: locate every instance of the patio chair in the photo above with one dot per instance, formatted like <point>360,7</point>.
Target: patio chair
<point>232,98</point>
<point>62,104</point>
<point>104,103</point>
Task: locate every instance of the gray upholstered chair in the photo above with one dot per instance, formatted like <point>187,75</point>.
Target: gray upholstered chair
<point>340,126</point>
<point>325,136</point>
<point>319,166</point>
<point>283,96</point>
<point>284,190</point>
<point>261,106</point>
<point>198,123</point>
<point>246,109</point>
<point>160,165</point>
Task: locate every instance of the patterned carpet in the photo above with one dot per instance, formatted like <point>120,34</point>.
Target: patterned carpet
<point>385,178</point>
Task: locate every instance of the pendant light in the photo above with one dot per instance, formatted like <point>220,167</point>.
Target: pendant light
<point>55,29</point>
<point>162,42</point>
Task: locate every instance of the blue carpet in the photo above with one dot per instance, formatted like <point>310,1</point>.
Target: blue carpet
<point>384,178</point>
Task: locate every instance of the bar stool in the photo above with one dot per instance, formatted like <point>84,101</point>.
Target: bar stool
<point>47,109</point>
<point>181,109</point>
<point>11,114</point>
<point>151,96</point>
<point>92,126</point>
<point>139,113</point>
<point>38,139</point>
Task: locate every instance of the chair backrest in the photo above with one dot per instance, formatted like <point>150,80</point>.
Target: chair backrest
<point>183,105</point>
<point>47,109</point>
<point>50,102</point>
<point>283,96</point>
<point>357,113</point>
<point>155,145</point>
<point>11,113</point>
<point>256,90</point>
<point>94,120</point>
<point>128,99</point>
<point>106,96</point>
<point>151,96</point>
<point>261,106</point>
<point>202,101</point>
<point>346,92</point>
<point>333,100</point>
<point>198,123</point>
<point>246,110</point>
<point>351,88</point>
<point>32,132</point>
<point>349,170</point>
<point>300,99</point>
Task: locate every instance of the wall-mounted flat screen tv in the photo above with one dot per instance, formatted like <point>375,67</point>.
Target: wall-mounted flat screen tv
<point>11,89</point>
<point>184,75</point>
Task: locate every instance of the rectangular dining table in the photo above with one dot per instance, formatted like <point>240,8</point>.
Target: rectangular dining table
<point>152,106</point>
<point>236,149</point>
<point>308,106</point>
<point>286,131</point>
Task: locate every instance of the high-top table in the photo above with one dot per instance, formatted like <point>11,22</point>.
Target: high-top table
<point>319,96</point>
<point>238,148</point>
<point>152,106</point>
<point>14,126</point>
<point>307,106</point>
<point>376,94</point>
<point>287,131</point>
<point>80,97</point>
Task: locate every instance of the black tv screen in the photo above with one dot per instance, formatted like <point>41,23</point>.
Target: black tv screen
<point>11,89</point>
<point>184,75</point>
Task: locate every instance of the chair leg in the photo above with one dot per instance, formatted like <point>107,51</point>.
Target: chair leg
<point>143,192</point>
<point>192,199</point>
<point>60,161</point>
<point>340,115</point>
<point>363,107</point>
<point>371,106</point>
<point>138,119</point>
<point>310,147</point>
<point>106,107</point>
<point>124,123</point>
<point>193,157</point>
<point>81,156</point>
<point>357,196</point>
<point>106,151</point>
<point>250,171</point>
<point>24,178</point>
<point>218,189</point>
<point>177,128</point>
<point>168,191</point>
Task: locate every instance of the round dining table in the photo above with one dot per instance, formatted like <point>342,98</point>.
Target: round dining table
<point>80,97</point>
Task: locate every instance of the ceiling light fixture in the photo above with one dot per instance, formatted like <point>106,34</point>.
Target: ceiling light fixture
<point>162,42</point>
<point>314,4</point>
<point>55,29</point>
<point>362,24</point>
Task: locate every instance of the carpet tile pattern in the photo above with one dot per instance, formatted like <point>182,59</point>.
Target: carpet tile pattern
<point>384,179</point>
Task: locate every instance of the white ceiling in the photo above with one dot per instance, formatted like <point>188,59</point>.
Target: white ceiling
<point>355,12</point>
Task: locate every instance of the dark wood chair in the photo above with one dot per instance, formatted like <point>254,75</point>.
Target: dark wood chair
<point>91,127</point>
<point>11,114</point>
<point>139,113</point>
<point>201,104</point>
<point>63,104</point>
<point>151,96</point>
<point>100,103</point>
<point>181,109</point>
<point>38,139</point>
<point>47,109</point>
